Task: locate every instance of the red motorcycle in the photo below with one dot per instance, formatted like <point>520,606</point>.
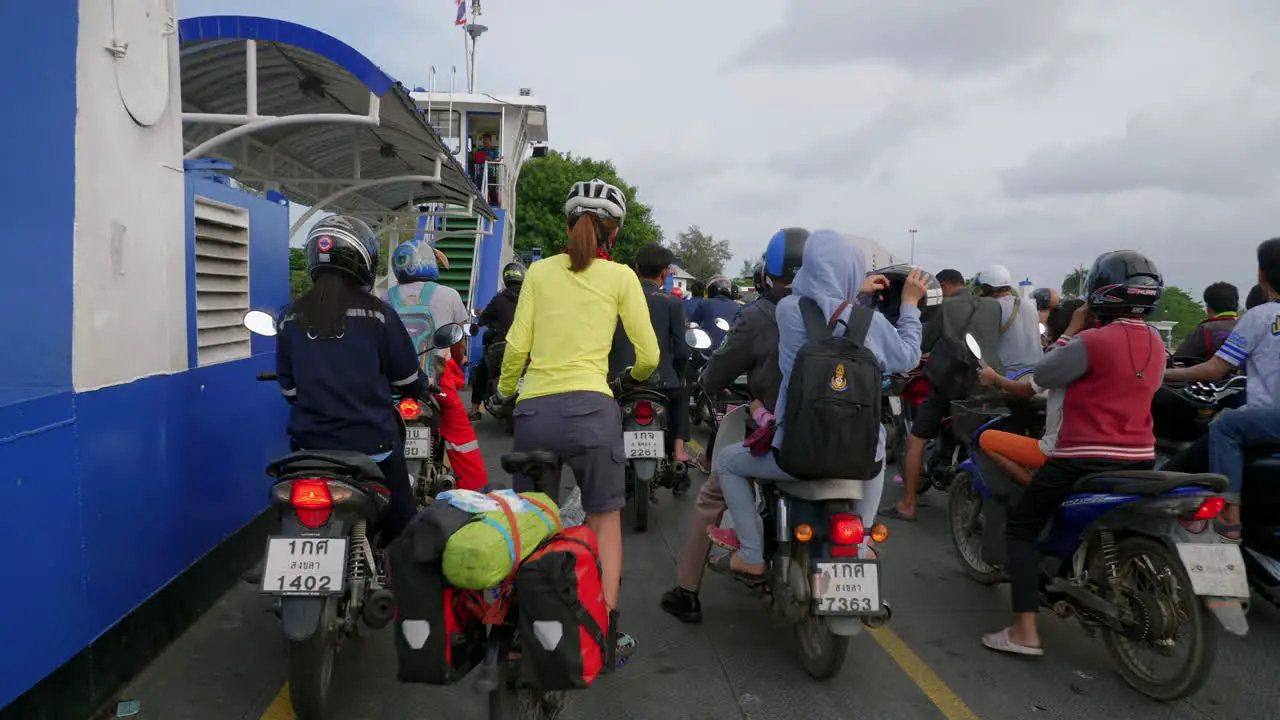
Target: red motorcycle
<point>943,454</point>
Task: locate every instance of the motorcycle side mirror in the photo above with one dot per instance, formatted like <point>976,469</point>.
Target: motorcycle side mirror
<point>722,324</point>
<point>972,343</point>
<point>697,338</point>
<point>260,323</point>
<point>447,336</point>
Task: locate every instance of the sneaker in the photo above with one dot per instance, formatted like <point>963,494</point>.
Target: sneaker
<point>683,605</point>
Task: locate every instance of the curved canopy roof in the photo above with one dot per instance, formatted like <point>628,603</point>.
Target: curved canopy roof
<point>302,71</point>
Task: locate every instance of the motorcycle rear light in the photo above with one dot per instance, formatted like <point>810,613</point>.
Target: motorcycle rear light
<point>311,501</point>
<point>409,409</point>
<point>644,412</point>
<point>846,529</point>
<point>1210,508</point>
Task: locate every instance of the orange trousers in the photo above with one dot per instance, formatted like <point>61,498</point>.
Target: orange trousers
<point>1021,449</point>
<point>459,435</point>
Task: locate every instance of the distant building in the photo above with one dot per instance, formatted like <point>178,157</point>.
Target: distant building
<point>877,255</point>
<point>680,278</point>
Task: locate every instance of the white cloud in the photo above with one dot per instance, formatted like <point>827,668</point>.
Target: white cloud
<point>1035,134</point>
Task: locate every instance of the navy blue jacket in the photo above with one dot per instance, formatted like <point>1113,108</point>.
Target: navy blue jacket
<point>667,315</point>
<point>706,312</point>
<point>341,388</point>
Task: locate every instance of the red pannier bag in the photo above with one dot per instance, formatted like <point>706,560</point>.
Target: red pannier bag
<point>438,637</point>
<point>561,614</point>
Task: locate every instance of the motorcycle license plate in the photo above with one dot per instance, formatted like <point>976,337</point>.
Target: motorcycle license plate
<point>846,587</point>
<point>1215,569</point>
<point>417,442</point>
<point>895,404</point>
<point>305,566</point>
<point>643,443</point>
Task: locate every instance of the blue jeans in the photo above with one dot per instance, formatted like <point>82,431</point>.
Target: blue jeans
<point>737,467</point>
<point>1231,434</point>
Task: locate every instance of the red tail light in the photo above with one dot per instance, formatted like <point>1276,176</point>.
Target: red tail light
<point>644,412</point>
<point>1210,508</point>
<point>409,409</point>
<point>846,529</point>
<point>311,501</point>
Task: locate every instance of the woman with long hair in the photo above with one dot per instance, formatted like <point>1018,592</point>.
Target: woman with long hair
<point>564,325</point>
<point>340,352</point>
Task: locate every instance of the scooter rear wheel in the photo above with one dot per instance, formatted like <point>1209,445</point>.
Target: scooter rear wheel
<point>311,667</point>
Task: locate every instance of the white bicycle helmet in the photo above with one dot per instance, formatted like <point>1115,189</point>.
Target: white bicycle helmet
<point>996,276</point>
<point>596,197</point>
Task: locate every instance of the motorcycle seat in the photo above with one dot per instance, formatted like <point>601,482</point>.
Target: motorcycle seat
<point>1147,482</point>
<point>339,462</point>
<point>819,490</point>
<point>520,462</point>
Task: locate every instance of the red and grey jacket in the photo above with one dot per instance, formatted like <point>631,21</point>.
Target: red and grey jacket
<point>1109,376</point>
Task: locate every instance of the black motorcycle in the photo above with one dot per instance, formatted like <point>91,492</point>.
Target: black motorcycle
<point>1182,415</point>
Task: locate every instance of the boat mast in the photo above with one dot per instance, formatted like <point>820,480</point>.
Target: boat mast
<point>472,31</point>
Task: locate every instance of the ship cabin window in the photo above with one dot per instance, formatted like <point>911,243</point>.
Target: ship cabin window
<point>484,154</point>
<point>449,124</point>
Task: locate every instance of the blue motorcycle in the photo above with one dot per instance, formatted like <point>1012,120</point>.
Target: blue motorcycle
<point>1130,554</point>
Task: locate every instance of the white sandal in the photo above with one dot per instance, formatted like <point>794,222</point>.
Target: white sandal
<point>1001,642</point>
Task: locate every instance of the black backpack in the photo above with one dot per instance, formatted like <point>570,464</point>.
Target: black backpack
<point>952,369</point>
<point>832,420</point>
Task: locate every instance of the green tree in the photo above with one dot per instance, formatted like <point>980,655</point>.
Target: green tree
<point>1179,306</point>
<point>701,255</point>
<point>540,193</point>
<point>1073,283</point>
<point>748,268</point>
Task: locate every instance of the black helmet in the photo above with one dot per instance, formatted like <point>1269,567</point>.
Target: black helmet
<point>784,253</point>
<point>343,244</point>
<point>513,275</point>
<point>1043,298</point>
<point>735,292</point>
<point>719,286</point>
<point>1124,283</point>
<point>758,280</point>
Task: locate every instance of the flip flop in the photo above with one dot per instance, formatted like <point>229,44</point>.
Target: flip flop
<point>724,564</point>
<point>893,513</point>
<point>1001,642</point>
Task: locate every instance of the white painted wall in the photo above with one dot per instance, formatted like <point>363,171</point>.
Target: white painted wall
<point>130,243</point>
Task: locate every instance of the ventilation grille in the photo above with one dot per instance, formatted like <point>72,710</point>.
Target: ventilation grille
<point>222,281</point>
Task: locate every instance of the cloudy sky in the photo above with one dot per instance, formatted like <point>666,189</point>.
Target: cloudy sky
<point>1034,134</point>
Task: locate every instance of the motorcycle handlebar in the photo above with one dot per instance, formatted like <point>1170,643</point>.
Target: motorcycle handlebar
<point>265,376</point>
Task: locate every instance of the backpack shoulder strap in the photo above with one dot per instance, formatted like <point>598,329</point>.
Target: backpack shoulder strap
<point>859,324</point>
<point>814,324</point>
<point>1017,305</point>
<point>428,289</point>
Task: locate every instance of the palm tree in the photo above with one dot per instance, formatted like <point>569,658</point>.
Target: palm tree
<point>1073,283</point>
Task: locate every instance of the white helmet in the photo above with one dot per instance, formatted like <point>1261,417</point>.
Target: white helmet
<point>996,276</point>
<point>596,197</point>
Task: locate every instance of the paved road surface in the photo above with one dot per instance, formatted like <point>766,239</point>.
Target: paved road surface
<point>927,665</point>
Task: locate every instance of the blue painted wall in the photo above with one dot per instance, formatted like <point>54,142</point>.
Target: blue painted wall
<point>110,494</point>
<point>489,276</point>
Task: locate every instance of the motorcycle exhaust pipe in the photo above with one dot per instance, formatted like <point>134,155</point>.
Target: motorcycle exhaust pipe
<point>874,622</point>
<point>379,609</point>
<point>679,468</point>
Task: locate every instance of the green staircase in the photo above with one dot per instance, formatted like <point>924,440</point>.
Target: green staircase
<point>461,252</point>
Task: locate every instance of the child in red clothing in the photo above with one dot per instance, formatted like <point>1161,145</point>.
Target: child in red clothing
<point>1108,376</point>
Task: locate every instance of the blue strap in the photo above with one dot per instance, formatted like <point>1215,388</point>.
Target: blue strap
<point>506,534</point>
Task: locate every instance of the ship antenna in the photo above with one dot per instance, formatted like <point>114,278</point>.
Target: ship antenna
<point>473,31</point>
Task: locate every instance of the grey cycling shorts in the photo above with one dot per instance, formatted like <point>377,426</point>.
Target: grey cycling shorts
<point>585,430</point>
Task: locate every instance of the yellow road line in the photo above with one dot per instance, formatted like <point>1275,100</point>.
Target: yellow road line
<point>952,707</point>
<point>280,708</point>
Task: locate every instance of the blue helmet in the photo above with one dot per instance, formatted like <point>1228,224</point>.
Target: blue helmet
<point>414,261</point>
<point>784,253</point>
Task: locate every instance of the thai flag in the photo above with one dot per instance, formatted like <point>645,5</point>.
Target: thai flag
<point>462,13</point>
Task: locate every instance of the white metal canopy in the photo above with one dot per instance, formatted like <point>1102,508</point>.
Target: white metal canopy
<point>299,112</point>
